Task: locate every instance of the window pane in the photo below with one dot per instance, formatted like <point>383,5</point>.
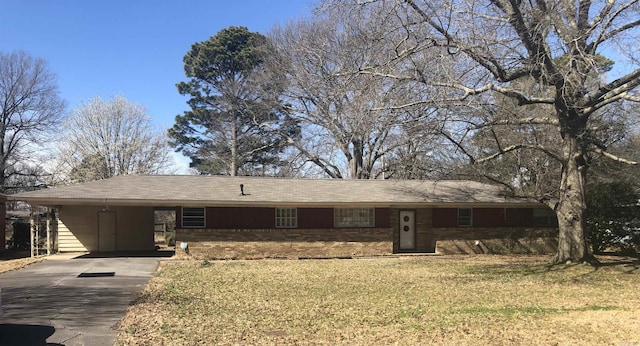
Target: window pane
<point>189,212</point>
<point>354,217</point>
<point>286,217</point>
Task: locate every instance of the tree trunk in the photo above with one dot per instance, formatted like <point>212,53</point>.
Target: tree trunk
<point>234,147</point>
<point>3,180</point>
<point>356,162</point>
<point>570,210</point>
<point>3,160</point>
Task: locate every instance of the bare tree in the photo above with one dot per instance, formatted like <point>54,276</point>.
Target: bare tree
<point>106,138</point>
<point>347,126</point>
<point>558,45</point>
<point>30,107</point>
<point>423,154</point>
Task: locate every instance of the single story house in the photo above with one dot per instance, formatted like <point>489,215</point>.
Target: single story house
<point>258,217</point>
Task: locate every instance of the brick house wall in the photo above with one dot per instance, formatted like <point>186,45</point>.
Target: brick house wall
<point>495,230</point>
<point>264,218</point>
<point>485,217</point>
<point>505,240</point>
<point>285,243</point>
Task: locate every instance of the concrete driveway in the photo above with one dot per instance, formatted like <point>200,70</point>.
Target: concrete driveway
<point>70,301</point>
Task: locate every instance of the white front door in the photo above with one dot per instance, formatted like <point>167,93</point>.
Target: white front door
<point>106,231</point>
<point>407,230</point>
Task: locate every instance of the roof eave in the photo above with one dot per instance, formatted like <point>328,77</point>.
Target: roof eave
<point>225,203</point>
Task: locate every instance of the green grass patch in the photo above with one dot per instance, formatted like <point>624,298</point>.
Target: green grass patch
<point>508,311</point>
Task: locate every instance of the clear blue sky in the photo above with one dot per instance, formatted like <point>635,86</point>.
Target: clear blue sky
<point>129,47</point>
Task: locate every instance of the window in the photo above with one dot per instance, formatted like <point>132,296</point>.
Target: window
<point>286,217</point>
<point>354,217</point>
<point>465,216</point>
<point>544,218</point>
<point>193,217</point>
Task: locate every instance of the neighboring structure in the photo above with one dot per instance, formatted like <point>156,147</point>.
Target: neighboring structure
<point>251,217</point>
<point>3,223</point>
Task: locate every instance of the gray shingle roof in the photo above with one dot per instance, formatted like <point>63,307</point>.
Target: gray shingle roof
<point>173,190</point>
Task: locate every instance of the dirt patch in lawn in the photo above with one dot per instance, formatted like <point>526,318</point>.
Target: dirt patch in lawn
<point>462,300</point>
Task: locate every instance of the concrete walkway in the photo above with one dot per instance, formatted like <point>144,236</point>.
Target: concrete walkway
<point>70,301</point>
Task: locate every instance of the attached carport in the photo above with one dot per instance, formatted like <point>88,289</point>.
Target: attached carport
<point>100,216</point>
<point>105,228</point>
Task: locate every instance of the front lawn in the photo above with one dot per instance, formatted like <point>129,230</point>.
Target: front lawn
<point>452,300</point>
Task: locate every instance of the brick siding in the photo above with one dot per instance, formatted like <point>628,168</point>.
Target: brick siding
<point>346,242</point>
<point>496,240</point>
<point>285,243</point>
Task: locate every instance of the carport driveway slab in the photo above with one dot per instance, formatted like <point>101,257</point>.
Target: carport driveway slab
<point>76,301</point>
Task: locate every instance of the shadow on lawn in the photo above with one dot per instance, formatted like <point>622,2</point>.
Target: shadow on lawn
<point>610,259</point>
<point>624,263</point>
<point>519,266</point>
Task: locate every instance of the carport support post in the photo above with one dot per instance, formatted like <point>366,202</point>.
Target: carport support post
<point>32,232</point>
<point>49,210</point>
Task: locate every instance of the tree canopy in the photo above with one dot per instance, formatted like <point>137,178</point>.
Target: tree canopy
<point>30,109</point>
<point>106,138</point>
<point>486,49</point>
<point>236,120</point>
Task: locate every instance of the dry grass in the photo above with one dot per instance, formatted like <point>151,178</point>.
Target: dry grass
<point>17,263</point>
<point>495,300</point>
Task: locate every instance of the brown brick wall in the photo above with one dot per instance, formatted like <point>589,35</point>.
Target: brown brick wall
<point>331,242</point>
<point>240,217</point>
<point>490,233</point>
<point>315,218</point>
<point>265,218</point>
<point>486,217</point>
<point>461,240</point>
<point>496,240</point>
<point>502,217</point>
<point>289,243</point>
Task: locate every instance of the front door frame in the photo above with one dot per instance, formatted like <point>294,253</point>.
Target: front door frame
<point>411,246</point>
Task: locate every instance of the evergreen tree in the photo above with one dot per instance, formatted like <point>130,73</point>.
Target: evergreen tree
<point>236,120</point>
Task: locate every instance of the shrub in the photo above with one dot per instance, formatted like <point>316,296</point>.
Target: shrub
<point>613,217</point>
<point>170,238</point>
